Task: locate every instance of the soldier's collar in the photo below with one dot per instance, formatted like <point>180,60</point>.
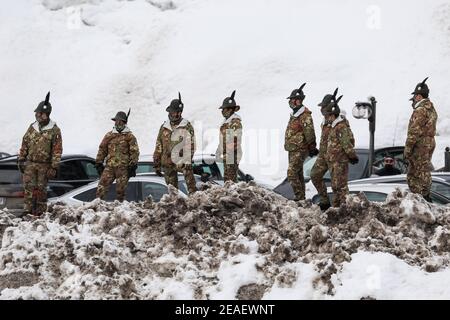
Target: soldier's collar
<point>183,123</point>
<point>339,118</point>
<point>125,130</point>
<point>49,126</point>
<point>299,112</point>
<point>233,116</point>
<point>417,104</point>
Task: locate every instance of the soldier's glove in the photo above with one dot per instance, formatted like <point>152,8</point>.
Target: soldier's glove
<point>158,172</point>
<point>99,167</point>
<point>354,160</point>
<point>51,173</point>
<point>313,152</point>
<point>132,170</point>
<point>21,165</point>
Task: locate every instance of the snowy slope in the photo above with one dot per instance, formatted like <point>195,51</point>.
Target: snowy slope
<point>101,56</point>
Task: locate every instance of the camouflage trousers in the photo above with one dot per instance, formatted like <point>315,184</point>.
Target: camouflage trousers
<point>318,171</point>
<point>171,176</point>
<point>339,177</point>
<point>120,174</point>
<point>295,174</point>
<point>35,187</point>
<point>230,172</point>
<point>419,176</point>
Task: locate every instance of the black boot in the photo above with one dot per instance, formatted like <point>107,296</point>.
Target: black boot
<point>324,206</point>
<point>428,198</point>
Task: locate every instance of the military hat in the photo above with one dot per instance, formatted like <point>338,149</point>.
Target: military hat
<point>422,89</point>
<point>44,106</point>
<point>122,116</point>
<point>297,93</point>
<point>176,105</point>
<point>229,102</point>
<point>328,99</point>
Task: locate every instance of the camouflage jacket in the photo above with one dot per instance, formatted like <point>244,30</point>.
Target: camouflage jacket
<point>229,149</point>
<point>175,144</point>
<point>118,149</point>
<point>300,134</point>
<point>341,143</point>
<point>42,145</point>
<point>421,128</point>
<point>326,128</point>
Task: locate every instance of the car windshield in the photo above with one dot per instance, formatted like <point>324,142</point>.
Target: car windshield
<point>441,187</point>
<point>355,171</point>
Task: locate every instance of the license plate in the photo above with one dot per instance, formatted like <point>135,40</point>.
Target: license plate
<point>2,201</point>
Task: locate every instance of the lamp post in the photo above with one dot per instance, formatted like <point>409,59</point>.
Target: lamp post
<point>368,110</point>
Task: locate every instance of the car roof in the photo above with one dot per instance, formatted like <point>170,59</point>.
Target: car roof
<point>64,157</point>
<point>380,179</point>
<point>197,156</point>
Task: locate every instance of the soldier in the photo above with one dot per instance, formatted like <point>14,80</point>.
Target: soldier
<point>175,147</point>
<point>229,149</point>
<point>120,151</point>
<point>320,166</point>
<point>340,151</point>
<point>39,158</point>
<point>389,168</point>
<point>300,141</point>
<point>420,143</point>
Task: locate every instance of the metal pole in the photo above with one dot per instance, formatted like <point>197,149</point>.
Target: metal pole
<point>372,120</point>
<point>447,160</point>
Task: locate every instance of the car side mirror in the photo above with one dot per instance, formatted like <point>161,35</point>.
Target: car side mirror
<point>248,178</point>
<point>204,177</point>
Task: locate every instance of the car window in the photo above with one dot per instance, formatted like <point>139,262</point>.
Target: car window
<point>89,169</point>
<point>70,170</point>
<point>214,170</point>
<point>154,189</point>
<point>145,167</point>
<point>437,200</point>
<point>87,195</point>
<point>10,175</point>
<point>442,188</point>
<point>375,196</point>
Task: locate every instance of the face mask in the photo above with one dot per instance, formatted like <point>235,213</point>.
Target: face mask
<point>227,112</point>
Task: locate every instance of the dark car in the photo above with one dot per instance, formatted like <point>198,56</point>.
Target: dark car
<point>355,172</point>
<point>74,171</point>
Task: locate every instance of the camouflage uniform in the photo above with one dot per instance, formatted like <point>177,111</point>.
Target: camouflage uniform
<point>174,150</point>
<point>229,149</point>
<point>321,166</point>
<point>419,147</point>
<point>120,150</point>
<point>340,149</point>
<point>41,150</point>
<point>300,139</point>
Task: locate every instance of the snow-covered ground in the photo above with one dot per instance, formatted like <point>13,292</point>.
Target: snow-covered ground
<point>100,56</point>
<point>234,242</point>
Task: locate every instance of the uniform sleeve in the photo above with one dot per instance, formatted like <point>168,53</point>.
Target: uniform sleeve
<point>158,150</point>
<point>236,131</point>
<point>134,150</point>
<point>25,145</point>
<point>418,119</point>
<point>308,131</point>
<point>57,148</point>
<point>102,149</point>
<point>347,141</point>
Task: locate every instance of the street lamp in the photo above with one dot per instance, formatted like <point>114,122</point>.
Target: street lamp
<point>368,110</point>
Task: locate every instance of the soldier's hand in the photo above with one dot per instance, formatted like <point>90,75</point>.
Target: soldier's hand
<point>21,165</point>
<point>51,173</point>
<point>158,172</point>
<point>354,160</point>
<point>132,170</point>
<point>99,167</point>
<point>313,152</point>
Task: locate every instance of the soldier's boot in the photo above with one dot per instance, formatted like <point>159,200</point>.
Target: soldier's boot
<point>324,206</point>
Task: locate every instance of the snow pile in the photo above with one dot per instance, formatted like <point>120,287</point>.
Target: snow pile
<point>233,242</point>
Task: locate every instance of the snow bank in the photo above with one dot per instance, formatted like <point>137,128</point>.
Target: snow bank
<point>233,242</point>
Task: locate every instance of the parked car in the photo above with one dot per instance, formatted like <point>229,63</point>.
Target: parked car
<point>438,183</point>
<point>356,171</point>
<point>379,192</point>
<point>74,171</point>
<point>204,165</point>
<point>138,189</point>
